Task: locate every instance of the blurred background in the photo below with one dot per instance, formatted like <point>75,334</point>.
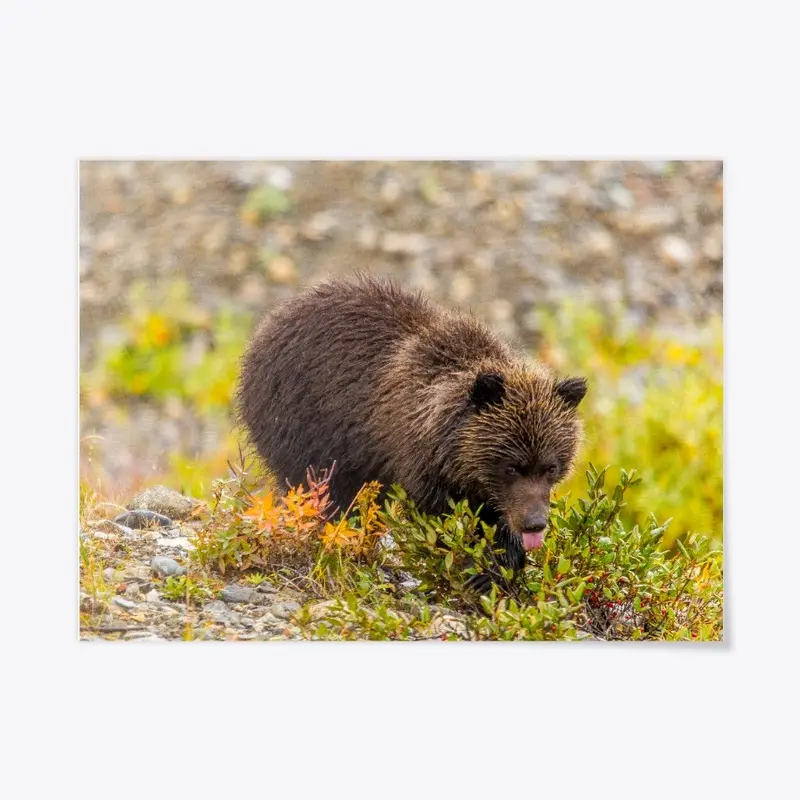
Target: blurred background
<point>611,270</point>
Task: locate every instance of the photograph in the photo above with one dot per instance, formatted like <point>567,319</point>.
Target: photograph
<point>400,400</point>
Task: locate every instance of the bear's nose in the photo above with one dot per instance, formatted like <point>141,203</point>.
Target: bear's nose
<point>535,523</point>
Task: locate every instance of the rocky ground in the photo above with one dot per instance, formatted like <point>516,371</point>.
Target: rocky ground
<point>499,238</point>
<point>126,564</point>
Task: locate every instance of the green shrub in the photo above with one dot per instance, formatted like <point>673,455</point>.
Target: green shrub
<point>594,575</point>
<point>185,588</point>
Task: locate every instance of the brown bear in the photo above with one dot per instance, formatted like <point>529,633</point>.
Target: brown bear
<point>394,389</point>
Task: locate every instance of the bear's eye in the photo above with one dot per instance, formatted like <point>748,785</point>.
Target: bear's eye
<point>551,470</point>
<point>512,470</point>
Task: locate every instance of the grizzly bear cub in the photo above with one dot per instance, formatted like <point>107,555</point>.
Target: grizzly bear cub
<point>394,389</point>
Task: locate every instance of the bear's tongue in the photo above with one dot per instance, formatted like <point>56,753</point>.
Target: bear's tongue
<point>532,541</point>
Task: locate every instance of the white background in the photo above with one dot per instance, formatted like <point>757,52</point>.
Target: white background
<point>406,80</point>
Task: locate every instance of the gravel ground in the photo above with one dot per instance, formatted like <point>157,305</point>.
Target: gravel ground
<point>142,547</point>
<point>498,238</point>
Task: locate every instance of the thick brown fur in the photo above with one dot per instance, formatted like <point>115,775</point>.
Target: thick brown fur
<point>395,389</point>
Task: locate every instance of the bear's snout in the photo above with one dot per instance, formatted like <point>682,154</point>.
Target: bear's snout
<point>534,523</point>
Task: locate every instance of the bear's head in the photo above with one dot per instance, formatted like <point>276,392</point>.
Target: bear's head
<point>520,435</point>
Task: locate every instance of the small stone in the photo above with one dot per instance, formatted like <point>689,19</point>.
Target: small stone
<point>265,587</point>
<point>204,634</point>
<point>404,243</point>
<point>152,596</point>
<point>109,573</point>
<point>285,609</point>
<point>676,251</point>
<point>367,237</point>
<point>88,603</point>
<point>320,226</point>
<point>218,610</point>
<point>387,542</point>
<point>556,186</point>
<point>136,572</point>
<point>391,191</point>
<point>106,528</point>
<point>445,624</point>
<point>132,592</point>
<point>125,603</point>
<point>142,518</point>
<point>234,593</point>
<point>164,566</point>
<point>280,177</point>
<point>654,218</point>
<point>599,242</point>
<point>144,636</point>
<point>179,543</point>
<point>282,270</point>
<point>319,611</point>
<point>163,501</point>
<point>621,197</point>
<point>461,288</point>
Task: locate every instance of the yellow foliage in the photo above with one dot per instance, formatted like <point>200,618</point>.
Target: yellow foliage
<point>356,536</point>
<point>654,404</point>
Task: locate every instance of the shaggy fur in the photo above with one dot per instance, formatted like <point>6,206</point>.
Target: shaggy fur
<point>395,389</point>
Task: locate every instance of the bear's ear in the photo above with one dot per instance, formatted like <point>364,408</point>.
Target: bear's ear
<point>488,390</point>
<point>572,391</point>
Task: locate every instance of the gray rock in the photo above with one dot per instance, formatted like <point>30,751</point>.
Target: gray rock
<point>107,529</point>
<point>125,603</point>
<point>136,572</point>
<point>320,226</point>
<point>621,197</point>
<point>163,501</point>
<point>280,177</point>
<point>655,218</point>
<point>132,592</point>
<point>265,587</point>
<point>164,566</point>
<point>234,593</point>
<point>204,634</point>
<point>676,251</point>
<point>152,596</point>
<point>143,518</point>
<point>404,243</point>
<point>284,610</point>
<point>218,611</point>
<point>178,543</point>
